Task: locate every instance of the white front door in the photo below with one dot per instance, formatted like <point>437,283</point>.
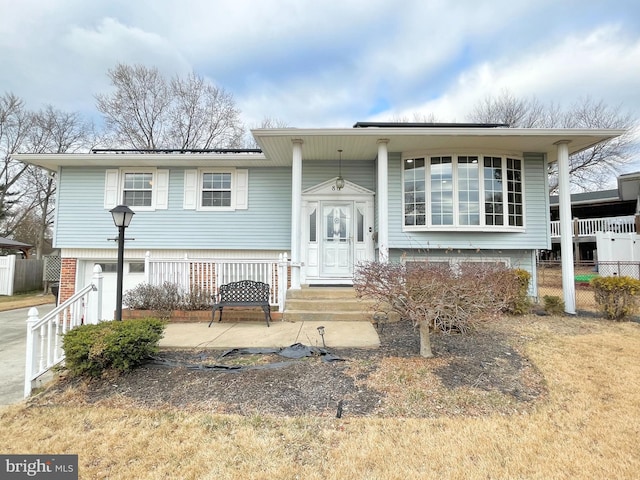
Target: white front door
<point>337,232</point>
<point>336,239</point>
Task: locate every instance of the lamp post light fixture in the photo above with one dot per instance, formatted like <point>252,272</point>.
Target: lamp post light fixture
<point>122,216</point>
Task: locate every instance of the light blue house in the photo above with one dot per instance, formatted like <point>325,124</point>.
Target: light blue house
<point>312,203</point>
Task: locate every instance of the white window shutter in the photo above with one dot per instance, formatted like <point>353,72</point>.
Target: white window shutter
<point>242,189</point>
<point>162,189</point>
<point>111,189</point>
<point>190,189</point>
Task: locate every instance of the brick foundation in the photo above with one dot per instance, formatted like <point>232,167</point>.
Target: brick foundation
<point>231,314</point>
<point>68,272</point>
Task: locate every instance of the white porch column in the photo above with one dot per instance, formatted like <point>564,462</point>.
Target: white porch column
<point>566,228</point>
<point>296,211</point>
<point>383,201</point>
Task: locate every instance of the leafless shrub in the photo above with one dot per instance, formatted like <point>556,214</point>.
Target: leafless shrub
<point>197,298</point>
<point>162,299</point>
<point>438,296</point>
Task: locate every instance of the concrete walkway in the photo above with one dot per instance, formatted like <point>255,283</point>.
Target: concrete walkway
<point>279,334</point>
<point>13,324</point>
<point>13,352</point>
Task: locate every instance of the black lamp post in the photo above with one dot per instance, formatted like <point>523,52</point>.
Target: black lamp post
<point>121,217</point>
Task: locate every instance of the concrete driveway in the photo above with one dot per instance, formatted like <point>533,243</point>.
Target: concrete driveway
<point>13,338</point>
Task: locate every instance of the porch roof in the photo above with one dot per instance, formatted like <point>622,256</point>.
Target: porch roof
<point>355,143</point>
<point>361,143</point>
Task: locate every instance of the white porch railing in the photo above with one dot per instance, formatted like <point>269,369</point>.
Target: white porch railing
<point>44,335</point>
<point>587,227</point>
<point>209,274</point>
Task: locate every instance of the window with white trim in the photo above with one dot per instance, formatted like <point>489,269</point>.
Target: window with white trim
<point>462,192</point>
<point>216,189</point>
<point>142,189</point>
<point>138,189</point>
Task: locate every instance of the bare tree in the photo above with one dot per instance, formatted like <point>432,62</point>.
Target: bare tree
<point>267,122</point>
<point>31,190</point>
<point>590,169</point>
<point>203,115</point>
<point>417,118</point>
<point>57,131</point>
<point>147,111</point>
<point>507,109</point>
<point>15,125</point>
<point>593,168</point>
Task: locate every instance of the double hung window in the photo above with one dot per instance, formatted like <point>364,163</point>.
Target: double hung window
<point>138,189</point>
<point>216,190</point>
<point>142,189</point>
<point>219,189</point>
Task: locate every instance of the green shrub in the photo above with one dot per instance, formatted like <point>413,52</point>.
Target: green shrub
<point>520,304</point>
<point>91,350</point>
<point>617,297</point>
<point>553,305</point>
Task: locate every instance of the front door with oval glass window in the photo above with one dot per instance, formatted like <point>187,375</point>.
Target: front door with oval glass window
<point>337,240</point>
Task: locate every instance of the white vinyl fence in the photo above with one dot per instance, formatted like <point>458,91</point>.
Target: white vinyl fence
<point>7,271</point>
<point>20,274</point>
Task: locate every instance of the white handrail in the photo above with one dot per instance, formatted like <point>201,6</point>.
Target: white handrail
<point>44,349</point>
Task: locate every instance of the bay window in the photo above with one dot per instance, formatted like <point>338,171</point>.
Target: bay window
<point>462,192</point>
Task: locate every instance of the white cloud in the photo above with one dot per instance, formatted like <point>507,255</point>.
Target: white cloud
<point>328,63</point>
<point>603,64</point>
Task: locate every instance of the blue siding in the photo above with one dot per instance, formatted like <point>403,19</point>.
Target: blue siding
<point>361,173</point>
<point>535,235</point>
<point>83,222</point>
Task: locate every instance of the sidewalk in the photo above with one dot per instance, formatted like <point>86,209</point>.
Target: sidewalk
<point>279,334</point>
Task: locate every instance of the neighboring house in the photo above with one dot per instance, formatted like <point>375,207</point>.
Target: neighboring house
<point>612,210</point>
<point>327,197</point>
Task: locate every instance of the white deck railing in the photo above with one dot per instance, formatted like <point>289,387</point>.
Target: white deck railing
<point>588,227</point>
<point>44,335</point>
<point>209,274</point>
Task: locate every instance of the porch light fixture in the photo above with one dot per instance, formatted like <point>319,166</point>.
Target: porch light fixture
<point>339,181</point>
<point>122,216</point>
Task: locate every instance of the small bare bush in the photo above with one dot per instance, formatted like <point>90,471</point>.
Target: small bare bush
<point>161,299</point>
<point>197,298</point>
<point>164,299</point>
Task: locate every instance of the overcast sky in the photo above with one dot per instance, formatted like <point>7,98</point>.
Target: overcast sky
<point>329,63</point>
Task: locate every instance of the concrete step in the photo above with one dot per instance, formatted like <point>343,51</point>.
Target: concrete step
<point>327,304</point>
<point>325,316</point>
<point>315,304</point>
<point>324,293</point>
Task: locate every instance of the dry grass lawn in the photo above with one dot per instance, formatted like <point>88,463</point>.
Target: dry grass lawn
<point>587,426</point>
<point>24,300</point>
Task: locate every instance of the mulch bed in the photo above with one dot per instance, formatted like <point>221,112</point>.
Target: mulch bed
<point>488,362</point>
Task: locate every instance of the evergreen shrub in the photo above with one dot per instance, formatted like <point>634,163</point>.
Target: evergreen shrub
<point>119,346</point>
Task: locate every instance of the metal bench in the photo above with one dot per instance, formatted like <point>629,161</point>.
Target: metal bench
<point>245,293</point>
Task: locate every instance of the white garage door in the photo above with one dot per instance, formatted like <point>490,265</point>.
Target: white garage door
<point>133,275</point>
